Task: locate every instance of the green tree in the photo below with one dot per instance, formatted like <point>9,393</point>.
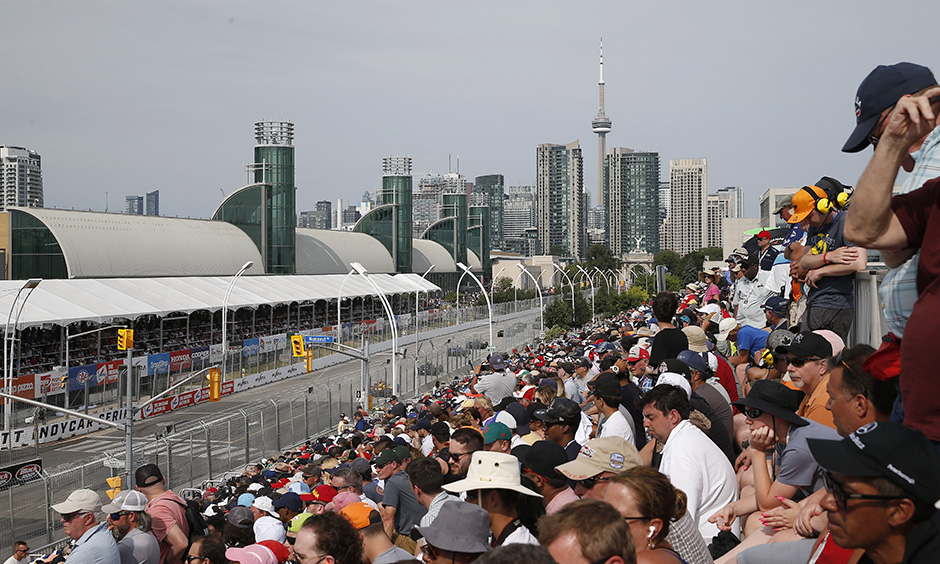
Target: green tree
<point>713,253</point>
<point>558,251</point>
<point>694,262</point>
<point>599,255</point>
<point>670,259</point>
<point>558,313</point>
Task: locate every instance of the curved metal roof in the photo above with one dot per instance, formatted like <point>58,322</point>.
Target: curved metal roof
<point>65,301</point>
<point>475,264</point>
<point>322,251</point>
<point>109,245</point>
<point>425,252</point>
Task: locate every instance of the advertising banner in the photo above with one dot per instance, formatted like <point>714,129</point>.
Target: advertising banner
<point>215,354</point>
<point>50,384</point>
<point>180,360</point>
<point>107,372</point>
<point>158,364</point>
<point>250,347</point>
<point>200,357</point>
<point>16,474</point>
<point>23,386</point>
<point>78,375</point>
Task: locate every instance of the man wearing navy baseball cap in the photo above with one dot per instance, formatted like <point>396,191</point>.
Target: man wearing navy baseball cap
<point>881,487</point>
<point>906,134</point>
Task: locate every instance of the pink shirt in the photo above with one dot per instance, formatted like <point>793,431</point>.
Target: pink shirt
<point>562,499</point>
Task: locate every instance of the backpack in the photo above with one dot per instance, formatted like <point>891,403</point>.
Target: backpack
<point>198,527</point>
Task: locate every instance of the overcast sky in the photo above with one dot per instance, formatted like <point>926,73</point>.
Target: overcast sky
<point>129,97</point>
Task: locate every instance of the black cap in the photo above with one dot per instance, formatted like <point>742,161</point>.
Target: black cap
<point>890,450</point>
<point>583,361</point>
<point>775,399</point>
<point>291,501</point>
<point>808,344</point>
<point>440,430</point>
<point>563,410</point>
<point>521,415</point>
<point>677,366</point>
<point>606,384</point>
<point>543,457</point>
<point>880,90</point>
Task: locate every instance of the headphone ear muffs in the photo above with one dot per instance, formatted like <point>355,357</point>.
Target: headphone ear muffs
<point>823,205</point>
<point>842,200</point>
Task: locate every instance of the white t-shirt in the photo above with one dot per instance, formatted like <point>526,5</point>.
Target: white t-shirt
<point>520,536</point>
<point>616,426</point>
<point>427,445</point>
<point>695,465</point>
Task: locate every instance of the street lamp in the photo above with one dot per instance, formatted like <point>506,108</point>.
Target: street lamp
<point>30,285</point>
<point>228,293</point>
<point>489,305</point>
<point>418,325</point>
<point>601,272</point>
<point>391,319</point>
<point>493,284</point>
<point>588,276</point>
<point>541,306</point>
<point>570,285</point>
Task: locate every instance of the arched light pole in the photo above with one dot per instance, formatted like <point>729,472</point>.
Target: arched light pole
<point>339,303</point>
<point>459,281</point>
<point>541,306</point>
<point>515,292</point>
<point>604,277</point>
<point>570,285</point>
<point>493,284</point>
<point>588,276</point>
<point>418,324</point>
<point>489,305</point>
<point>228,293</point>
<point>391,319</point>
<point>29,286</point>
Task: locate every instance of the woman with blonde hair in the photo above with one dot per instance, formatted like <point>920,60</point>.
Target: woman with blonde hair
<point>649,503</point>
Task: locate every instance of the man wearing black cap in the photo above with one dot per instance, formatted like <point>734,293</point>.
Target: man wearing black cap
<point>809,371</point>
<point>770,411</point>
<point>561,423</point>
<point>901,94</point>
<point>775,310</point>
<point>538,463</point>
<point>605,389</point>
<point>168,513</point>
<point>882,485</point>
<point>400,508</point>
<point>423,428</point>
<point>499,384</point>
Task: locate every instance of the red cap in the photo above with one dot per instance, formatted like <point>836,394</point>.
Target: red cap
<point>280,551</point>
<point>764,234</point>
<point>324,493</point>
<point>637,353</point>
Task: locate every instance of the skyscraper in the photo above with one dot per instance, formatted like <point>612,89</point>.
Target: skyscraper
<point>601,126</point>
<point>560,198</point>
<point>631,204</point>
<point>491,189</point>
<point>134,205</point>
<point>734,195</point>
<point>20,177</point>
<point>274,167</point>
<point>153,203</point>
<point>687,224</point>
<point>719,209</point>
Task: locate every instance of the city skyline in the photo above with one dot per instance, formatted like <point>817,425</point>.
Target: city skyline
<point>729,84</point>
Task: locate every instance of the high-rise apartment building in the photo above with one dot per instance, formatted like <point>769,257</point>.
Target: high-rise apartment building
<point>734,195</point>
<point>686,226</point>
<point>323,215</point>
<point>20,177</point>
<point>719,209</point>
<point>489,190</point>
<point>632,201</point>
<point>427,199</point>
<point>769,201</point>
<point>519,211</point>
<point>134,205</point>
<point>153,203</point>
<point>561,201</point>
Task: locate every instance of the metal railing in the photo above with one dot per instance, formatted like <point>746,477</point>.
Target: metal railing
<point>201,450</point>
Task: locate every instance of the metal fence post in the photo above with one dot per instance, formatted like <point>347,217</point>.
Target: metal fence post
<point>306,416</point>
<point>192,445</point>
<point>277,423</point>
<point>208,450</point>
<point>247,435</point>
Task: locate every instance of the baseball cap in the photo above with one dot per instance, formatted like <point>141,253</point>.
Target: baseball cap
<point>241,517</point>
<point>764,234</point>
<point>385,457</point>
<point>725,327</point>
<point>80,500</point>
<point>637,353</point>
<point>543,458</point>
<point>127,500</point>
<point>774,398</point>
<point>360,515</point>
<point>783,204</point>
<point>695,335</point>
<point>497,362</point>
<point>606,384</point>
<point>880,90</point>
<point>804,203</point>
<point>265,504</point>
<point>496,431</point>
<point>421,424</point>
<point>675,380</point>
<point>694,361</point>
<point>607,454</point>
<point>245,500</point>
<point>776,304</point>
<point>562,410</point>
<point>252,554</point>
<point>808,344</point>
<point>290,501</point>
<point>890,450</point>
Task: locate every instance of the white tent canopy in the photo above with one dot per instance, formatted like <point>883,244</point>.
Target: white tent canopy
<point>103,299</point>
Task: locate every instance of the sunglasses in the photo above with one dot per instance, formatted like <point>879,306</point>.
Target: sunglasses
<point>841,496</point>
<point>118,515</point>
<point>589,483</point>
<point>799,362</point>
<point>752,412</point>
<point>71,516</point>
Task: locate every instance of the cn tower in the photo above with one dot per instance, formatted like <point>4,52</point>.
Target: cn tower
<point>601,126</point>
